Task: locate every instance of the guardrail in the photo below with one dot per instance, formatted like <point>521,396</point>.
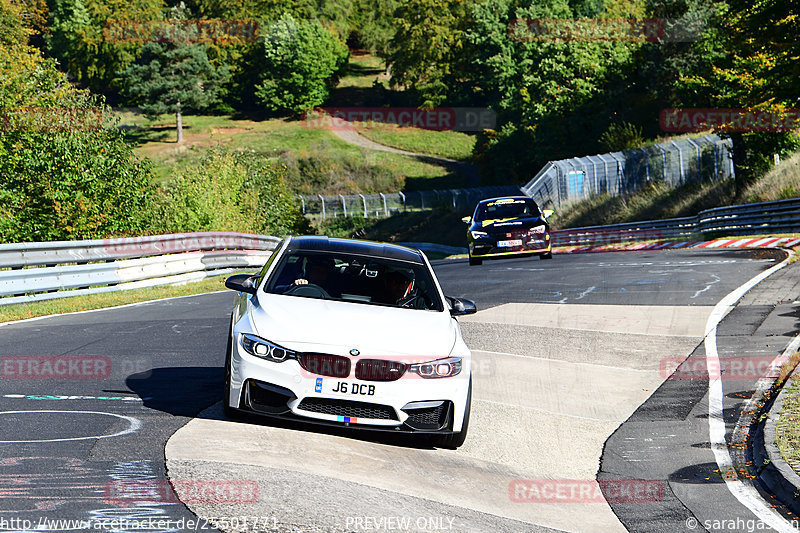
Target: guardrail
<point>46,270</point>
<point>780,216</point>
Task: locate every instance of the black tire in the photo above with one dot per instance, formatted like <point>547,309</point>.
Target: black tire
<point>454,440</point>
<point>548,255</point>
<point>229,411</point>
<point>474,262</point>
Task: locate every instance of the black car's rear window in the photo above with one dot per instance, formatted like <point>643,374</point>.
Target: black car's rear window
<point>355,278</point>
<point>507,208</point>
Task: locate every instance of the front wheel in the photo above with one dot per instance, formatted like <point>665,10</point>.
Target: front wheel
<point>454,440</point>
<point>474,262</point>
<point>548,255</point>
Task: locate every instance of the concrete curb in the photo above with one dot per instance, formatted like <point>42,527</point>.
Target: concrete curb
<point>776,473</point>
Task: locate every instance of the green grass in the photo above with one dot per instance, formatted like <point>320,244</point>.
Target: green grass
<point>449,144</point>
<point>107,299</point>
<point>318,161</point>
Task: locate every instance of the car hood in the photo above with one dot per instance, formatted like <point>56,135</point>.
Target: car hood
<point>309,324</point>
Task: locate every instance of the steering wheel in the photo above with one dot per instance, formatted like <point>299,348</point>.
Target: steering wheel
<point>310,290</point>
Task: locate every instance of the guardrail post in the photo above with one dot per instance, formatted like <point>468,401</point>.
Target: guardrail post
<point>364,200</point>
<point>302,203</point>
<point>344,205</point>
<point>403,196</point>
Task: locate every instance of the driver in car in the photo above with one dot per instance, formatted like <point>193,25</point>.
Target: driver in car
<point>398,287</point>
<point>317,272</point>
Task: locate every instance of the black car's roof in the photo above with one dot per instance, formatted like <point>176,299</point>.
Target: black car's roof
<point>352,246</point>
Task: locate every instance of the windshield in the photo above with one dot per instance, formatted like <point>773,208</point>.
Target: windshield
<point>507,208</point>
<point>353,278</point>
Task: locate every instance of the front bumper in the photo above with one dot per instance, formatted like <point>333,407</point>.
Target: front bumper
<point>488,247</point>
<point>409,404</point>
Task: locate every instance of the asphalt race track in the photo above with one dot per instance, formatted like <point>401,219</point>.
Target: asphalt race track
<point>572,360</point>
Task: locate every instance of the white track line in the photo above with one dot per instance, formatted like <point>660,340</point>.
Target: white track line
<point>745,493</point>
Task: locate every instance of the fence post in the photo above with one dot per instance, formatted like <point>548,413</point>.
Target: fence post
<point>680,161</point>
<point>302,203</point>
<point>403,196</point>
<point>364,200</point>
<point>699,160</point>
<point>664,161</point>
<point>344,205</point>
<point>385,209</point>
<point>714,149</point>
<point>323,205</point>
<point>646,163</point>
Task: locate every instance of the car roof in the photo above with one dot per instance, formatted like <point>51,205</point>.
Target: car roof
<point>358,247</point>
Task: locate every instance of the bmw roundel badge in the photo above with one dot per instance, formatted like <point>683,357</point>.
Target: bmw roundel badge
<point>354,352</point>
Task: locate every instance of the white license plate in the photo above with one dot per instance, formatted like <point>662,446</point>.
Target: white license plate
<point>509,244</point>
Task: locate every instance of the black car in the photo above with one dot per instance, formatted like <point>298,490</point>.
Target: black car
<point>508,226</point>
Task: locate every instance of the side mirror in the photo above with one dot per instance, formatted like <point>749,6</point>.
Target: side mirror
<point>547,213</point>
<point>242,283</point>
<point>461,306</point>
<point>466,220</point>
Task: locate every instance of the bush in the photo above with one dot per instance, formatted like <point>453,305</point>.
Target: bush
<point>71,185</point>
<point>65,174</point>
<point>301,62</point>
<point>231,191</point>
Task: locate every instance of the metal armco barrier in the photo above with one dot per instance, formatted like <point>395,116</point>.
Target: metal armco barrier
<point>780,216</point>
<point>39,271</point>
<point>46,270</point>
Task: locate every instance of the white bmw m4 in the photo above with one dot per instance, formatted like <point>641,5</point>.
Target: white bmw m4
<point>350,333</point>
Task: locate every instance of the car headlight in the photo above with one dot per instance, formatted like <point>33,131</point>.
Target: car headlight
<point>439,368</point>
<point>264,349</point>
<point>538,229</point>
<point>478,234</point>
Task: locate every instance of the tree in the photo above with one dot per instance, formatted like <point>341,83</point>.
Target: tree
<point>65,173</point>
<point>426,46</point>
<point>90,57</point>
<point>172,77</point>
<point>300,64</point>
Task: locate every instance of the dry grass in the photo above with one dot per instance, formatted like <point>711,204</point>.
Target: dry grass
<point>780,183</point>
